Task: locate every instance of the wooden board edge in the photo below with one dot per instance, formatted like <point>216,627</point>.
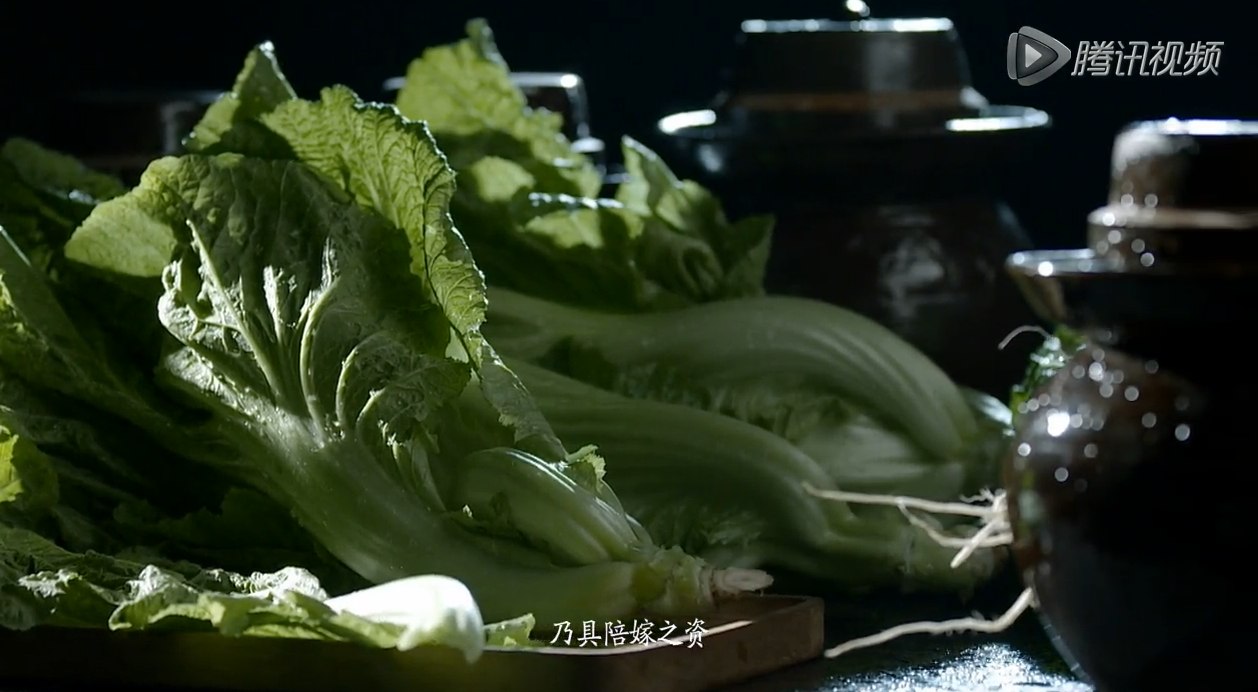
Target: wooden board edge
<point>779,632</point>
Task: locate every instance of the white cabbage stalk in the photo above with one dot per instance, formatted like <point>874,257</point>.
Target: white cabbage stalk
<point>431,609</point>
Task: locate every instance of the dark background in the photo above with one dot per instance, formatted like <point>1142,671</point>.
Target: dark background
<point>640,59</point>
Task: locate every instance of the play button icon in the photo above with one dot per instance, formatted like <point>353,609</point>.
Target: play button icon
<point>1033,56</point>
<point>1030,56</point>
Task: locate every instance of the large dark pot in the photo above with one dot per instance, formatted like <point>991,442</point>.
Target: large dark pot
<point>1132,467</point>
<point>883,167</point>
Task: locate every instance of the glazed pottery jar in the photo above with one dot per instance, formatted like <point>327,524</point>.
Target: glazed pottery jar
<point>883,167</point>
<point>1133,466</point>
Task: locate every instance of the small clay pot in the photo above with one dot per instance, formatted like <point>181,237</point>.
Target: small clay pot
<point>1132,467</point>
<point>884,169</point>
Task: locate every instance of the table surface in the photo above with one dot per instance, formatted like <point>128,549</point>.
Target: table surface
<point>1015,662</point>
<point>965,664</point>
<point>1020,659</point>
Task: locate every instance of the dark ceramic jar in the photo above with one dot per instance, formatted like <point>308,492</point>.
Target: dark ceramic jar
<point>883,167</point>
<point>1133,466</point>
<point>121,132</point>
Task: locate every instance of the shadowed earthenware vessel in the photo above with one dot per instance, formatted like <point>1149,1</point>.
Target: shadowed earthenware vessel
<point>883,166</point>
<point>1133,466</point>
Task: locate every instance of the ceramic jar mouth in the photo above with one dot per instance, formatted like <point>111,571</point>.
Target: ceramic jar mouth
<point>809,97</point>
<point>823,66</point>
<point>708,124</point>
<point>1180,201</point>
<point>798,85</point>
<point>1177,240</point>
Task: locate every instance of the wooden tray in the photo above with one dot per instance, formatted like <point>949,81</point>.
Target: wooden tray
<point>743,639</point>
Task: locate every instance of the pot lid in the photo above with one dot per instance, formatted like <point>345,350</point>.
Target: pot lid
<point>1176,240</point>
<point>852,78</point>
